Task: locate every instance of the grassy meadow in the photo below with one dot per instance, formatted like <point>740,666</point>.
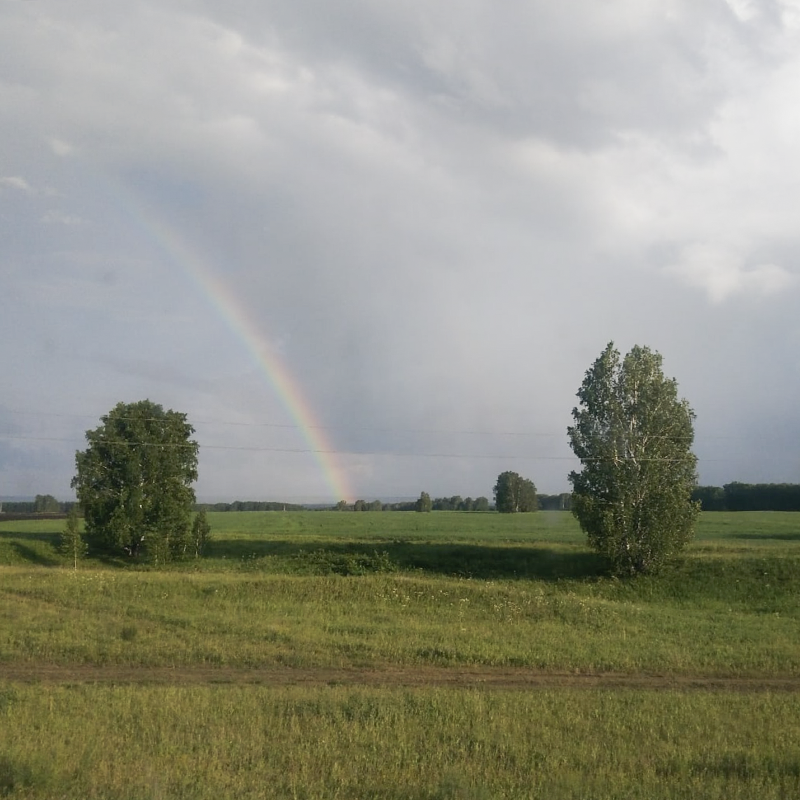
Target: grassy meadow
<point>262,644</point>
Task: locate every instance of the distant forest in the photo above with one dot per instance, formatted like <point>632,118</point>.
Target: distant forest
<point>749,497</point>
<point>730,497</point>
<point>249,505</point>
<point>42,504</point>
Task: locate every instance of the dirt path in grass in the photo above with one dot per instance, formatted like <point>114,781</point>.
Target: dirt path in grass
<point>460,677</point>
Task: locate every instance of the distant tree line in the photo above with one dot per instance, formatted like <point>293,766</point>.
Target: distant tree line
<point>364,505</point>
<point>749,497</point>
<point>41,504</point>
<point>457,503</point>
<point>555,502</point>
<point>423,503</point>
<point>248,505</point>
<point>734,496</point>
<point>47,504</point>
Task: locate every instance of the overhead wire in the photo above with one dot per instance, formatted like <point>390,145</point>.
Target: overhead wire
<point>301,450</point>
<point>374,429</point>
<point>334,451</point>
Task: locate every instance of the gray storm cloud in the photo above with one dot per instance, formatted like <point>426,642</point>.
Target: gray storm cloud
<point>437,219</point>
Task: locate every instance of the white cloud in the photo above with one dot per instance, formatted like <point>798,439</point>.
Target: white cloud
<point>15,182</point>
<point>60,147</point>
<point>790,13</point>
<point>723,273</point>
<point>55,217</point>
<point>743,9</point>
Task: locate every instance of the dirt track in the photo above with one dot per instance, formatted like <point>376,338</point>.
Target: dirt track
<point>461,677</point>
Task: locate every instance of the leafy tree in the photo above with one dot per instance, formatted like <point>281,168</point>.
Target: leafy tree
<point>481,504</point>
<point>71,543</point>
<point>134,481</point>
<point>424,503</point>
<point>201,533</point>
<point>342,506</point>
<point>633,436</point>
<point>514,493</point>
<point>46,504</point>
<point>376,505</point>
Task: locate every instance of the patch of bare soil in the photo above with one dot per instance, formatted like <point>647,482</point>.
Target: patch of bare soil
<point>496,678</point>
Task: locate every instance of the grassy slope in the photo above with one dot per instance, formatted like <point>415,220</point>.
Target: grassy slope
<point>448,589</point>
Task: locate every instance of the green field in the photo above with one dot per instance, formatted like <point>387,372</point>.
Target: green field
<point>403,655</point>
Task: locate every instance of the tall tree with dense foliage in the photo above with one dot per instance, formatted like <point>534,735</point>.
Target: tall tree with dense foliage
<point>633,436</point>
<point>424,503</point>
<point>134,481</point>
<point>513,493</point>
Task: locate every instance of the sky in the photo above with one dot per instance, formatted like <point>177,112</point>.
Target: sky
<point>372,248</point>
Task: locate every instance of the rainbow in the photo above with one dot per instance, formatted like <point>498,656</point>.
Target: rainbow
<point>228,307</point>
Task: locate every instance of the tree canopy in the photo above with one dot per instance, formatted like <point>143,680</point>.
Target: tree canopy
<point>46,504</point>
<point>134,481</point>
<point>513,493</point>
<point>423,504</point>
<point>633,436</point>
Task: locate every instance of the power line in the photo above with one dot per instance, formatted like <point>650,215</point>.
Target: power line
<point>366,429</point>
<point>291,426</point>
<point>316,451</point>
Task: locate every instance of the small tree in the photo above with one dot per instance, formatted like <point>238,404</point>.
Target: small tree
<point>633,436</point>
<point>71,543</point>
<point>201,533</point>
<point>513,493</point>
<point>424,503</point>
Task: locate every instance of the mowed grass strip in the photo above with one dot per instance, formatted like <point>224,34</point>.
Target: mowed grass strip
<point>137,742</point>
<point>528,594</point>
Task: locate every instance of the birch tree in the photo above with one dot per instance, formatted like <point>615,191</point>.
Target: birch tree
<point>633,436</point>
<point>71,543</point>
<point>513,493</point>
<point>134,481</point>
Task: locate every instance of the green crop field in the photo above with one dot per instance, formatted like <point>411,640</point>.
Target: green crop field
<point>403,655</point>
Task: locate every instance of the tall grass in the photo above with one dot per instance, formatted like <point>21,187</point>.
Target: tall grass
<point>130,742</point>
<point>709,617</point>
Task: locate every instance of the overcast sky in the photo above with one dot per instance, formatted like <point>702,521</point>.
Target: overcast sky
<point>431,217</point>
